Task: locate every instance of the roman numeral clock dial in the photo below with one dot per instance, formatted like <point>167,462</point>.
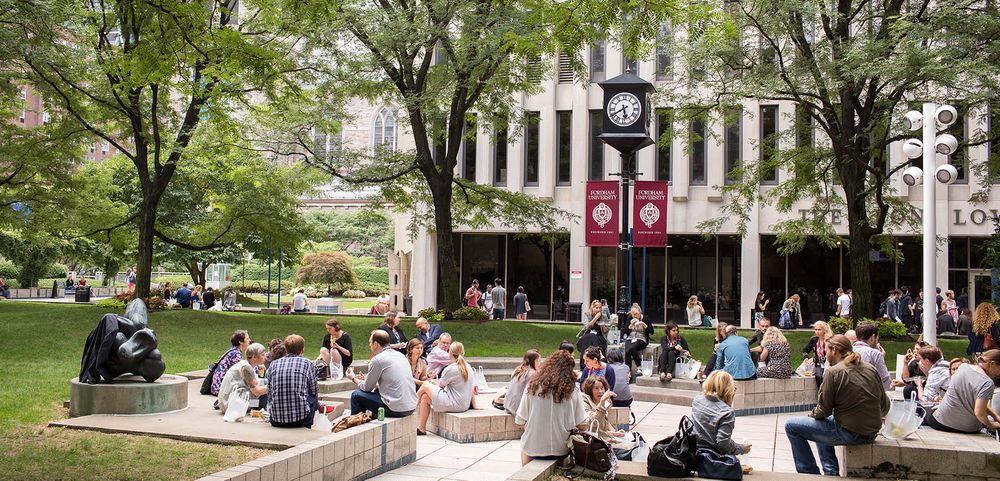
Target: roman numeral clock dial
<point>624,109</point>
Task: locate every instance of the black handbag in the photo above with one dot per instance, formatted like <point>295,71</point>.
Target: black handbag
<point>713,465</point>
<point>206,384</point>
<point>674,457</point>
<point>591,453</point>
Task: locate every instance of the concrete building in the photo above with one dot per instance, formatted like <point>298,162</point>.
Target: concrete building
<point>35,113</point>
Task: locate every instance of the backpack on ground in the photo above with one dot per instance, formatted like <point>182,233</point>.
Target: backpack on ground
<point>674,457</point>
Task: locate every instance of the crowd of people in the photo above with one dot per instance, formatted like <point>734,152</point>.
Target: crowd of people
<point>198,297</point>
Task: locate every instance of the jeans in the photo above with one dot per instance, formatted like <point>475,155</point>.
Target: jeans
<point>371,401</point>
<point>305,422</point>
<point>826,433</point>
<point>498,313</point>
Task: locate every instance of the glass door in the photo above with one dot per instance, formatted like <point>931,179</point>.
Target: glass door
<point>982,287</point>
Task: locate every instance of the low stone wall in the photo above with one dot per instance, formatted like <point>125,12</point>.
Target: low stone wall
<point>361,452</point>
<point>927,455</point>
<point>481,425</point>
<point>769,396</point>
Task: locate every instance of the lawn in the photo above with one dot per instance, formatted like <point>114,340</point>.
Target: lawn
<point>41,344</point>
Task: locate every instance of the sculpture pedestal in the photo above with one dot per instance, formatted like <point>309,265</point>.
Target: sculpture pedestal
<point>129,395</point>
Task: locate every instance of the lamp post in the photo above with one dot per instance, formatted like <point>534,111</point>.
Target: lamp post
<point>930,120</point>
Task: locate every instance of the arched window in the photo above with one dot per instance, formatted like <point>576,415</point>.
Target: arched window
<point>384,130</point>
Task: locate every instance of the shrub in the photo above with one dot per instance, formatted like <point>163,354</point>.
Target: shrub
<point>372,288</point>
<point>329,268</point>
<point>891,330</point>
<point>354,294</point>
<point>468,313</point>
<point>110,303</point>
<point>427,312</point>
<point>372,274</point>
<point>9,270</point>
<point>839,325</point>
<point>155,303</point>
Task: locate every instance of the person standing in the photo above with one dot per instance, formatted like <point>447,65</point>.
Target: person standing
<point>499,300</point>
<point>848,411</point>
<point>389,383</point>
<point>293,389</point>
<point>488,299</point>
<point>843,304</point>
<point>521,304</point>
<point>695,310</point>
<point>300,304</point>
<point>472,294</point>
<point>794,310</point>
<point>950,306</point>
<point>759,307</point>
<point>984,323</point>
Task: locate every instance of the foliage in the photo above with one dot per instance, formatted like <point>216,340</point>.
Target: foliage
<point>354,294</point>
<point>368,232</point>
<point>889,330</point>
<point>468,313</point>
<point>849,69</point>
<point>110,303</point>
<point>840,325</point>
<point>372,274</point>
<point>330,268</point>
<point>431,314</point>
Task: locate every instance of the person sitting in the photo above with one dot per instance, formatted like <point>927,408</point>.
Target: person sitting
<point>946,325</point>
<point>758,336</point>
<point>852,392</point>
<point>4,289</point>
<point>243,376</point>
<point>381,305</point>
<point>567,346</point>
<point>596,399</point>
<point>938,376</point>
<point>910,370</point>
<point>985,321</point>
<point>868,348</point>
<point>337,350</point>
<point>720,335</point>
<point>292,387</point>
<point>637,337</point>
<point>623,393</point>
<point>955,363</point>
<point>229,300</point>
<point>391,327</point>
<point>453,393</point>
<point>183,296</point>
<point>240,340</point>
<point>439,358</point>
<point>594,367</point>
<point>275,350</point>
<point>776,353</point>
<point>208,298</point>
<point>552,406</point>
<point>520,379</point>
<point>427,333</point>
<point>965,407</point>
<point>168,291</point>
<point>415,356</point>
<point>673,346</point>
<point>964,322</point>
<point>196,296</point>
<point>389,383</point>
<point>734,356</point>
<point>300,304</point>
<point>816,348</point>
<point>713,417</point>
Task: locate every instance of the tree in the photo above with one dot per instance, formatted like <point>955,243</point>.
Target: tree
<point>144,75</point>
<point>448,66</point>
<point>850,68</point>
<point>368,232</point>
<point>330,268</point>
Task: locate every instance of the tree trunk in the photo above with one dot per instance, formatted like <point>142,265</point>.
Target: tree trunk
<point>198,274</point>
<point>861,283</point>
<point>448,276</point>
<point>144,255</point>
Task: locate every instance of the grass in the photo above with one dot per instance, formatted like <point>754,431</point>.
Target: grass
<point>41,345</point>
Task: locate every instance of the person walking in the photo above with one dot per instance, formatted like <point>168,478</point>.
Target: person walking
<point>759,307</point>
<point>792,308</point>
<point>843,304</point>
<point>521,306</point>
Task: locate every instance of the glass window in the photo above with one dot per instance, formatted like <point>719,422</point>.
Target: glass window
<point>469,154</point>
<point>564,122</point>
<point>596,164</point>
<point>384,130</point>
<point>603,273</point>
<point>531,130</point>
<point>696,30</point>
<point>734,142</point>
<point>691,267</point>
<point>664,41</point>
<point>500,156</point>
<point>664,136</point>
<point>768,143</point>
<point>484,258</point>
<point>958,253</point>
<point>597,52</point>
<point>531,268</point>
<point>697,145</point>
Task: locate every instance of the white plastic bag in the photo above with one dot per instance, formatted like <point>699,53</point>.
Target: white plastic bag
<point>322,423</point>
<point>900,362</point>
<point>238,403</point>
<point>647,365</point>
<point>641,451</point>
<point>807,368</point>
<point>686,368</point>
<point>480,381</point>
<point>902,419</point>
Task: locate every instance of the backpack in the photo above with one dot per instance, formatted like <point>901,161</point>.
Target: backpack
<point>883,308</point>
<point>674,457</point>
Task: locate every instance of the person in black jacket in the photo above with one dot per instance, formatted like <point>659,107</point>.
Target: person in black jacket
<point>593,335</point>
<point>208,299</point>
<point>816,348</point>
<point>672,347</point>
<point>397,340</point>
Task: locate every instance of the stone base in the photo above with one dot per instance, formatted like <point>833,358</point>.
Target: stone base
<point>129,395</point>
<point>482,425</point>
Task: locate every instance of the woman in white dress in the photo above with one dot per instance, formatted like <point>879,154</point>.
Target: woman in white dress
<point>488,298</point>
<point>453,391</point>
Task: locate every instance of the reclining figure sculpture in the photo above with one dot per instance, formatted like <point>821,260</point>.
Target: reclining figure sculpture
<point>120,345</point>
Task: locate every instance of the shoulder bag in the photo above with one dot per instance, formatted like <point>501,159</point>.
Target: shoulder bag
<point>206,384</point>
<point>713,465</point>
<point>346,422</point>
<point>591,453</point>
<point>674,457</point>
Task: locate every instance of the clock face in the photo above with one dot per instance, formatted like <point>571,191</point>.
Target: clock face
<point>624,109</point>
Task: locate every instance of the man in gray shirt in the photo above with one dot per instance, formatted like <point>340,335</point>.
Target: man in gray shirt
<point>867,346</point>
<point>389,383</point>
<point>499,300</point>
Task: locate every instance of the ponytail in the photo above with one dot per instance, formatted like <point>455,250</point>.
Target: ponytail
<point>852,358</point>
<point>843,346</point>
<point>457,351</point>
<point>463,367</point>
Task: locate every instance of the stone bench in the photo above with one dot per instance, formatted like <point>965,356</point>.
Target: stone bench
<point>636,471</point>
<point>760,396</point>
<point>361,452</point>
<point>491,424</point>
<point>927,455</point>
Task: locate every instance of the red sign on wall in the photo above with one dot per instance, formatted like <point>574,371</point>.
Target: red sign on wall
<point>649,214</point>
<point>602,213</point>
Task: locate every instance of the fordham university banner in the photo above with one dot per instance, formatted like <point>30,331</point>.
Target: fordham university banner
<point>602,213</point>
<point>649,214</point>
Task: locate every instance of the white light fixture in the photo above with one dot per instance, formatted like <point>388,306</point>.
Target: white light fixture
<point>946,174</point>
<point>945,115</point>
<point>913,120</point>
<point>913,148</point>
<point>913,175</point>
<point>946,144</point>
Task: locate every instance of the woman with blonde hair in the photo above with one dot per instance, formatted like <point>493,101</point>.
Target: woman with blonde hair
<point>817,348</point>
<point>984,322</point>
<point>637,337</point>
<point>776,354</point>
<point>713,417</point>
<point>694,310</point>
<point>452,393</point>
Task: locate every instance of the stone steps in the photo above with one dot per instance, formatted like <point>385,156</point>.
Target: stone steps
<point>677,397</point>
<point>679,384</point>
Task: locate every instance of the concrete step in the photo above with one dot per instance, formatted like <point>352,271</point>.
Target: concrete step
<point>654,381</point>
<point>507,364</point>
<point>330,386</point>
<point>635,471</point>
<point>678,397</point>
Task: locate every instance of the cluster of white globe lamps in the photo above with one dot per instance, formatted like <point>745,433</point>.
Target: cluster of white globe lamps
<point>945,144</point>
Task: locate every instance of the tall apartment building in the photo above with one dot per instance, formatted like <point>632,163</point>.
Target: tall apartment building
<point>35,113</point>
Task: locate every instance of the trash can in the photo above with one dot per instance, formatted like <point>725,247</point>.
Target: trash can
<point>574,312</point>
<point>83,294</point>
<point>408,305</point>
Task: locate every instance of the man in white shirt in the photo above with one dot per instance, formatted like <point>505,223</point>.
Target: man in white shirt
<point>843,304</point>
<point>299,302</point>
<point>438,357</point>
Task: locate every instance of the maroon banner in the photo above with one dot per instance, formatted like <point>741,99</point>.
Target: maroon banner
<point>649,214</point>
<point>602,213</point>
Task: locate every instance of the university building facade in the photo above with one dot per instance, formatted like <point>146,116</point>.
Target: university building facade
<point>558,152</point>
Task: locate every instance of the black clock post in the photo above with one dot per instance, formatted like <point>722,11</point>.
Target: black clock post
<point>626,128</point>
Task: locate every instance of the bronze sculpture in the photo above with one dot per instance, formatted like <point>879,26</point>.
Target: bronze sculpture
<point>120,345</point>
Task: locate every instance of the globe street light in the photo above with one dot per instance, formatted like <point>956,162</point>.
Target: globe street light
<point>932,118</point>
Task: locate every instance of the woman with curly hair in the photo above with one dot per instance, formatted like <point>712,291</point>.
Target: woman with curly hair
<point>551,407</point>
<point>984,322</point>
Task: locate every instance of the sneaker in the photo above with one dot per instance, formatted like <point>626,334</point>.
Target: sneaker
<point>663,377</point>
<point>670,377</point>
